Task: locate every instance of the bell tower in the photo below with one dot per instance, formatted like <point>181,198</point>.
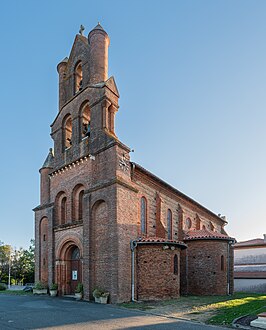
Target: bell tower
<point>88,99</point>
<point>77,221</point>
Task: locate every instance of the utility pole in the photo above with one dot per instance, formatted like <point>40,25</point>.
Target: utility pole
<point>9,271</point>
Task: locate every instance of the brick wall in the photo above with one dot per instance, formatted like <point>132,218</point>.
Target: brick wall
<point>155,273</point>
<point>205,274</point>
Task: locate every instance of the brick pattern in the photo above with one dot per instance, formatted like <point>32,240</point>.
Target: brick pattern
<point>155,273</point>
<point>205,275</point>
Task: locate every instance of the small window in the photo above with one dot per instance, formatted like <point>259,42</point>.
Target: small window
<point>188,223</point>
<point>44,237</point>
<point>143,215</point>
<point>85,121</point>
<point>68,132</point>
<point>175,264</point>
<point>222,263</point>
<point>169,224</point>
<point>63,210</point>
<point>44,262</point>
<point>80,206</point>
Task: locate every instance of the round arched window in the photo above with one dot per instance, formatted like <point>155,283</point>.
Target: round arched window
<point>188,223</point>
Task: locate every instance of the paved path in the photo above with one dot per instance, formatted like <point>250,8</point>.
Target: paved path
<point>35,312</point>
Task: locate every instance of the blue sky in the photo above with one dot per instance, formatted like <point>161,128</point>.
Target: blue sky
<point>192,79</point>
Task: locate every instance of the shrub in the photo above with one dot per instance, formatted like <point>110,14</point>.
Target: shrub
<point>79,288</point>
<point>97,293</point>
<point>2,287</point>
<point>54,286</point>
<point>105,294</point>
<point>40,286</point>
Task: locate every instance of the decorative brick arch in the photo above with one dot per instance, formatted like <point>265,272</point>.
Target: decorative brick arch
<point>101,245</point>
<point>63,263</point>
<point>78,75</point>
<point>77,202</point>
<point>60,201</point>
<point>65,244</point>
<point>43,262</point>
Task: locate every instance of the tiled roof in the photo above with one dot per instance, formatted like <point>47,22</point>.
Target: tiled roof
<point>159,240</point>
<point>48,163</point>
<point>251,242</point>
<point>98,27</point>
<point>205,234</point>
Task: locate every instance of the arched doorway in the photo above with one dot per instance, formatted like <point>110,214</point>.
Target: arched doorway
<point>69,267</point>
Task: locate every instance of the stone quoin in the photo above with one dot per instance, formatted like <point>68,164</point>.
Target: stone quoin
<point>107,222</point>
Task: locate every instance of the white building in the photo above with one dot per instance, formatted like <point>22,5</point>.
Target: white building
<point>250,265</point>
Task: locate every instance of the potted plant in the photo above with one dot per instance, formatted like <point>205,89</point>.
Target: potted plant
<point>104,297</point>
<point>100,296</point>
<point>53,289</point>
<point>40,288</point>
<point>97,295</point>
<point>79,291</point>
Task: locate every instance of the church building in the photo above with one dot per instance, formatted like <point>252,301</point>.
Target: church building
<point>107,222</point>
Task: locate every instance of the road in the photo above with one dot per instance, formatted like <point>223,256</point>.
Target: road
<point>38,312</point>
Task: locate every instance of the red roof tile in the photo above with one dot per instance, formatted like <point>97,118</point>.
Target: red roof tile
<point>159,240</point>
<point>205,234</point>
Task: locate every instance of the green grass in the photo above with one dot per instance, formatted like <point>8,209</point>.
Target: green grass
<point>238,305</point>
<point>16,292</point>
<point>224,309</point>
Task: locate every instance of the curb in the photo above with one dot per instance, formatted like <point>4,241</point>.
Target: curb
<point>239,326</point>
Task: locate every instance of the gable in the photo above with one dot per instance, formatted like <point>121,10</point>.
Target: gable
<point>110,83</point>
<point>79,52</point>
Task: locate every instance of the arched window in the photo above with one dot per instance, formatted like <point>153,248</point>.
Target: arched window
<point>188,223</point>
<point>169,224</point>
<point>143,215</point>
<point>211,226</point>
<point>63,210</point>
<point>43,249</point>
<point>77,202</point>
<point>60,208</point>
<point>222,263</point>
<point>67,128</point>
<point>78,78</point>
<point>85,118</point>
<point>80,207</point>
<point>175,264</point>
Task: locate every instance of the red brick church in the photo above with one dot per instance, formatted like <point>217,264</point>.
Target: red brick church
<point>108,222</point>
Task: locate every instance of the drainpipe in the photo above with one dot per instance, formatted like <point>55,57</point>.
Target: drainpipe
<point>133,245</point>
<point>186,272</point>
<point>228,267</point>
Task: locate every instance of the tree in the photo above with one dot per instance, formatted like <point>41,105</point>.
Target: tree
<point>5,256</point>
<point>21,262</point>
